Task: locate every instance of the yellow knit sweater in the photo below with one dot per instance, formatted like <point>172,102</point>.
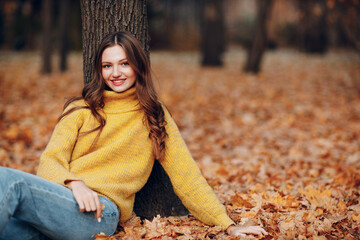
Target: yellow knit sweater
<point>121,161</point>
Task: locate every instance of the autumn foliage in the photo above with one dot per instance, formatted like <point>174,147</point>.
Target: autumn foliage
<point>281,149</point>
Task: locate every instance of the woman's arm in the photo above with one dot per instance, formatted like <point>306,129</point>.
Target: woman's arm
<point>54,161</point>
<point>192,188</point>
<point>188,182</point>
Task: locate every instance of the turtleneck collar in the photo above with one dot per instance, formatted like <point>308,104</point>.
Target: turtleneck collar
<point>121,102</point>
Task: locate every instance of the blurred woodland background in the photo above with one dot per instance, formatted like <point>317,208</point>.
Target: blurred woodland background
<point>266,94</point>
<point>309,26</point>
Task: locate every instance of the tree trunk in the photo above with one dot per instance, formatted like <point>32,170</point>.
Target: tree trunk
<point>213,32</point>
<point>312,26</point>
<point>2,25</point>
<point>64,47</point>
<point>99,18</point>
<point>47,18</point>
<point>259,43</point>
<point>350,21</point>
<point>158,196</point>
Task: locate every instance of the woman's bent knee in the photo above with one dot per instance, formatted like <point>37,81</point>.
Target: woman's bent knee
<point>6,176</point>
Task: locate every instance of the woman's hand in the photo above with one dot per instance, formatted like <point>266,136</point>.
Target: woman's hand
<point>243,231</point>
<point>87,199</point>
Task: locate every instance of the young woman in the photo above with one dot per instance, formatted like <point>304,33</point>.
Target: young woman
<point>101,153</point>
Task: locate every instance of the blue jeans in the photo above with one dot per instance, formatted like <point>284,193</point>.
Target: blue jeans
<point>34,208</point>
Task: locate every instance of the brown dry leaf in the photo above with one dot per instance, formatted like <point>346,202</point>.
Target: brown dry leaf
<point>287,228</point>
<point>317,197</point>
<point>134,221</point>
<point>12,133</point>
<point>356,218</point>
<point>155,228</point>
<point>341,205</point>
<point>134,233</point>
<point>238,201</point>
<point>222,171</point>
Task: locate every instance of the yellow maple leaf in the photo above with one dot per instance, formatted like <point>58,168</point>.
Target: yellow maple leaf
<point>238,201</point>
<point>342,205</point>
<point>356,217</point>
<point>12,133</point>
<point>288,201</point>
<point>316,197</point>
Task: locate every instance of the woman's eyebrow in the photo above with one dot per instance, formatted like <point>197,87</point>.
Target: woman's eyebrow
<point>124,59</point>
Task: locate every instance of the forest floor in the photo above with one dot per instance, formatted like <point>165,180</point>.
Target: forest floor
<point>280,148</point>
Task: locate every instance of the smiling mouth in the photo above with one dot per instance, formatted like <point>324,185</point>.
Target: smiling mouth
<point>118,82</point>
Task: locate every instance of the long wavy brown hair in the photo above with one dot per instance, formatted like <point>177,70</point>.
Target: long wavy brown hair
<point>93,91</point>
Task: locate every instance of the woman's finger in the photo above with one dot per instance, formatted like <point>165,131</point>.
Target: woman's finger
<point>240,231</point>
<point>98,208</point>
<point>92,201</point>
<point>259,229</point>
<point>79,202</point>
<point>81,206</point>
<point>87,204</point>
<point>252,230</point>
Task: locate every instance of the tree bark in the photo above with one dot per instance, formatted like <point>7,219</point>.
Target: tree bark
<point>47,21</point>
<point>64,45</point>
<point>213,32</point>
<point>350,21</point>
<point>158,197</point>
<point>259,43</point>
<point>312,34</point>
<point>99,18</point>
<point>2,20</point>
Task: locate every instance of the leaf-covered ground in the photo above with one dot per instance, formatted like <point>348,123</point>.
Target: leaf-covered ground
<point>281,148</point>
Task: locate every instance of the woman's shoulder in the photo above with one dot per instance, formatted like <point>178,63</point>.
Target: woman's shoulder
<point>168,116</point>
<point>75,102</point>
<point>78,103</point>
<point>76,106</point>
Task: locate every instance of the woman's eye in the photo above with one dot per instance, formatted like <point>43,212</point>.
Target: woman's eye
<point>106,66</point>
<point>125,64</point>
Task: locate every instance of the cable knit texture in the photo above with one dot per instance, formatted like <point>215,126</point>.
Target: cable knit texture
<point>120,162</point>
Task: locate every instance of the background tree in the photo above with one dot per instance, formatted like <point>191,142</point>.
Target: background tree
<point>350,21</point>
<point>98,19</point>
<point>64,42</point>
<point>312,35</point>
<point>349,15</point>
<point>47,39</point>
<point>213,32</point>
<point>259,42</point>
<point>174,24</point>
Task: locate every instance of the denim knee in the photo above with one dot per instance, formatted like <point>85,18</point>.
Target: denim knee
<point>6,178</point>
<point>3,173</point>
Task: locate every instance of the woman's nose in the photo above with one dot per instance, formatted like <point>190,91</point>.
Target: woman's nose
<point>116,72</point>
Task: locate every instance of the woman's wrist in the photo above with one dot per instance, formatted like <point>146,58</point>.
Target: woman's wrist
<point>229,229</point>
<point>70,183</point>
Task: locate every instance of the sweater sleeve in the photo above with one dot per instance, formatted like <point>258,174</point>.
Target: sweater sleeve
<point>188,182</point>
<point>55,160</point>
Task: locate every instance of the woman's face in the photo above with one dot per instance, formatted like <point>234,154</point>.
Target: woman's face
<point>116,71</point>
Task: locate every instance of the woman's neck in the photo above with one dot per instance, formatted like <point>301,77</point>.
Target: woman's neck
<point>121,102</point>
